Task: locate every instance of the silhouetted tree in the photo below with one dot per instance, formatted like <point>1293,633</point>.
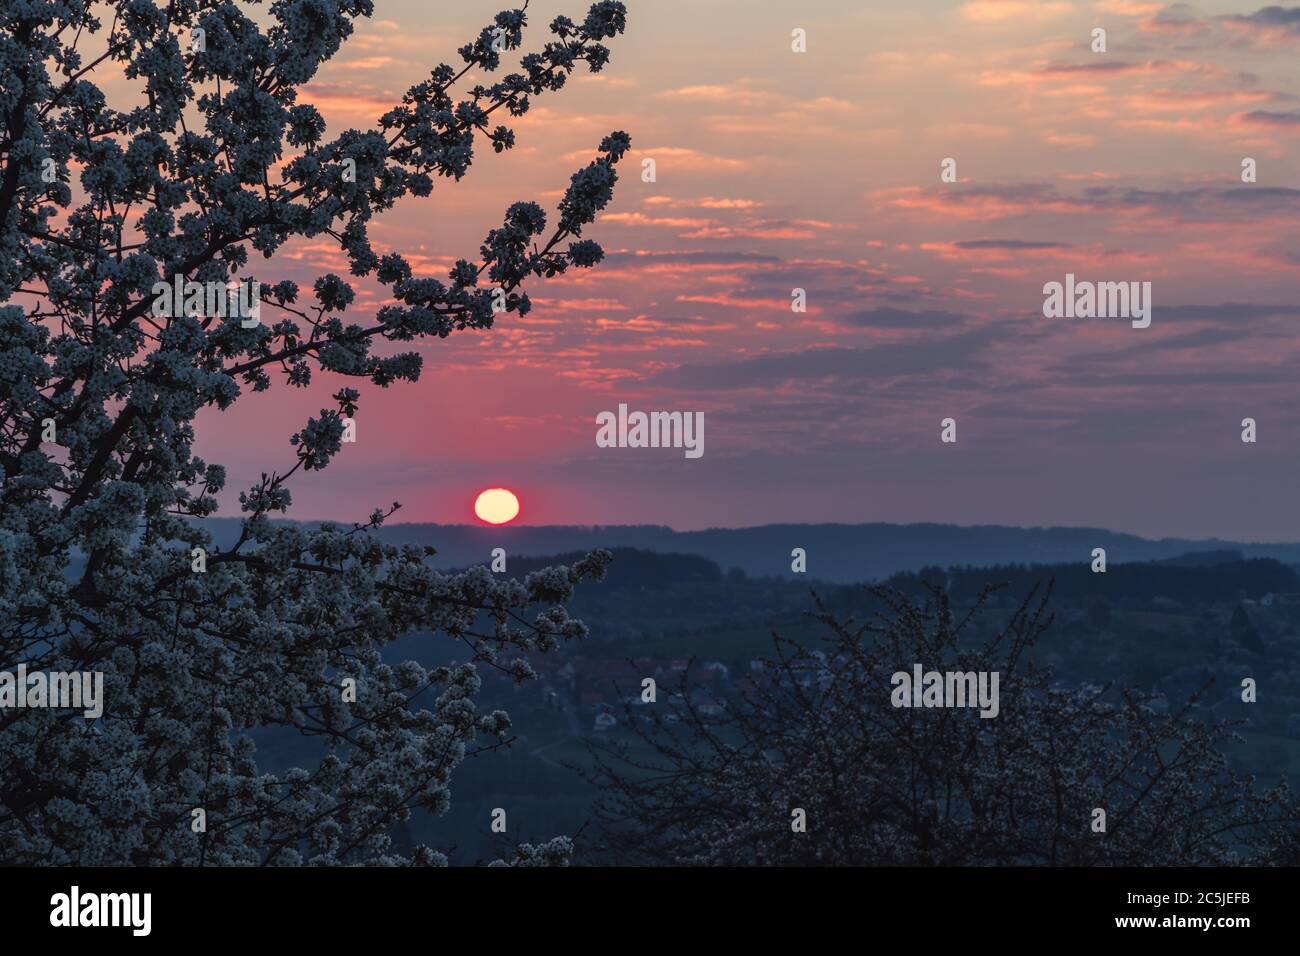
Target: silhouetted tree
<point>881,784</point>
<point>102,208</point>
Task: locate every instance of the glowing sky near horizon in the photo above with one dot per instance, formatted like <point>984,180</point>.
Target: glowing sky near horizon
<point>777,170</point>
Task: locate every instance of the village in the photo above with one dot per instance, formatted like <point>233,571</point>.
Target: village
<point>598,695</point>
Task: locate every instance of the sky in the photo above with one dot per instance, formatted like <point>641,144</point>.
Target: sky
<point>821,170</point>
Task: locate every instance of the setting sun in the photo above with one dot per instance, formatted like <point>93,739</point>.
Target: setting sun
<point>496,505</point>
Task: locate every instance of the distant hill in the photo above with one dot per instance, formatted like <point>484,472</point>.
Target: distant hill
<point>633,568</point>
<point>1205,559</point>
<point>836,552</point>
<point>1187,581</point>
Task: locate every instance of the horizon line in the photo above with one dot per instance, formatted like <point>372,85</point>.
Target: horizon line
<point>781,524</point>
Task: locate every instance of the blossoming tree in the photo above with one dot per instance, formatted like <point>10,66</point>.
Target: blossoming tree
<point>102,565</point>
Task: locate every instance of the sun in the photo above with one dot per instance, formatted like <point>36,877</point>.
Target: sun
<point>496,505</point>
